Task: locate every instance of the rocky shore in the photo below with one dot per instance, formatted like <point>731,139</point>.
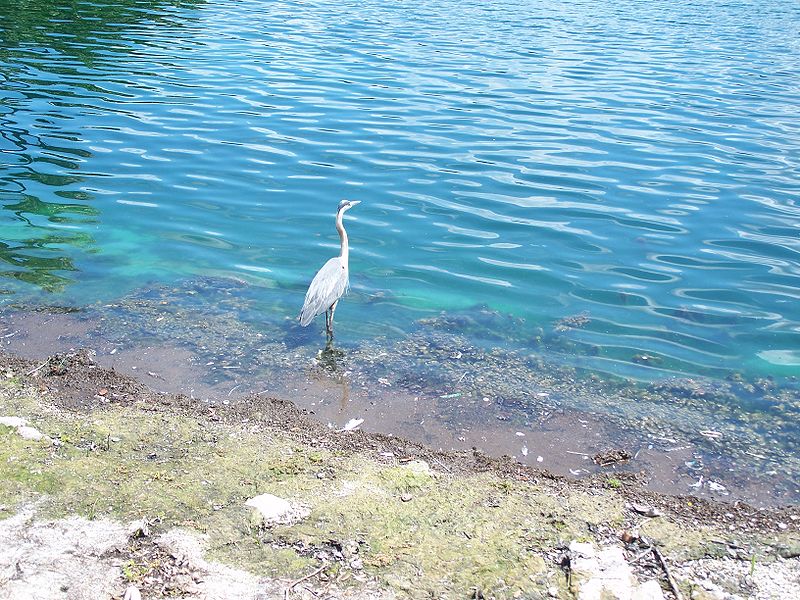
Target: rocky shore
<point>109,489</point>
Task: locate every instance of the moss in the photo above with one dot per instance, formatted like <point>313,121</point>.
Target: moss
<point>680,542</point>
<point>453,534</point>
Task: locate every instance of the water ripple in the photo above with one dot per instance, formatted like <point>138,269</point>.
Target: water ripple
<point>637,161</point>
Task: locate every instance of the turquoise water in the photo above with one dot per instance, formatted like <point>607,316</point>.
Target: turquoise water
<point>632,167</point>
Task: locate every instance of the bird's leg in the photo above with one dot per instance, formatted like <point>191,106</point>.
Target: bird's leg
<point>330,327</point>
<point>328,330</point>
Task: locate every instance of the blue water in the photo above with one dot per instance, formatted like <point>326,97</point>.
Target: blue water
<point>635,163</point>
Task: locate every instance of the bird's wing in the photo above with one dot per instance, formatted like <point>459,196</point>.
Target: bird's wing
<point>326,288</point>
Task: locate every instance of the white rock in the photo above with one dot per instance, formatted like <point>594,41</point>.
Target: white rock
<point>601,574</point>
<point>419,466</point>
<point>132,593</point>
<point>39,559</point>
<point>30,433</point>
<point>583,549</point>
<point>649,590</point>
<point>272,509</point>
<point>13,422</point>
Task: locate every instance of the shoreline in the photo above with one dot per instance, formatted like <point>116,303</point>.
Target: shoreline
<point>126,453</point>
<point>683,436</point>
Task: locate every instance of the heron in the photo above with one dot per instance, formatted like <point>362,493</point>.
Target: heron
<point>331,281</point>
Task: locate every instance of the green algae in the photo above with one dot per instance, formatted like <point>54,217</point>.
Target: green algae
<point>416,531</point>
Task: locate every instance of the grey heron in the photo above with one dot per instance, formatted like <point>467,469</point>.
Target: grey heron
<point>331,281</point>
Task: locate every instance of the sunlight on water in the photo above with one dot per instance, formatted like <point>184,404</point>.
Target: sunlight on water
<point>633,163</point>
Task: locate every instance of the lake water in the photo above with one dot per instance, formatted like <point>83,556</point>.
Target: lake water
<point>610,186</point>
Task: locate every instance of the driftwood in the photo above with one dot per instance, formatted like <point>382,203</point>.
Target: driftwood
<point>671,580</point>
<point>292,585</point>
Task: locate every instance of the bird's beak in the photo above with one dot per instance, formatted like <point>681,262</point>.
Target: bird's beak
<point>354,202</point>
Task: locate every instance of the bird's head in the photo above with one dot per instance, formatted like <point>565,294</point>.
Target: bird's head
<point>347,204</point>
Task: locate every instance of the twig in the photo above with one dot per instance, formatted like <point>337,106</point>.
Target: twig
<point>301,580</point>
<point>576,453</point>
<point>32,371</point>
<point>672,584</point>
<point>441,464</point>
<point>641,555</point>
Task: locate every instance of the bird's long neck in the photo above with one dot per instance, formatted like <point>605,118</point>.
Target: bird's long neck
<point>342,236</point>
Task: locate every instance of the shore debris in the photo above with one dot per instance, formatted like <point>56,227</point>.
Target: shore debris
<point>140,528</point>
<point>646,510</point>
<point>296,582</point>
<point>717,487</point>
<point>611,457</point>
<point>670,579</point>
<point>351,425</point>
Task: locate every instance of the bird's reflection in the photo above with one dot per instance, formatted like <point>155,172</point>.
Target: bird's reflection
<point>331,361</point>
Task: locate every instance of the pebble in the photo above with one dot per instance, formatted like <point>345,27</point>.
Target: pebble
<point>790,551</point>
<point>627,537</point>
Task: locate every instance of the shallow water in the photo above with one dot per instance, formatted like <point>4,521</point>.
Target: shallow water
<point>613,186</point>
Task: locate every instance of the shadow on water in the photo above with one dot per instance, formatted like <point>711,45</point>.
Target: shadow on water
<point>296,336</point>
<point>332,362</point>
<point>72,27</point>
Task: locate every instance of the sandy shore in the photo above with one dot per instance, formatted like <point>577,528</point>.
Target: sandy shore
<point>129,487</point>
